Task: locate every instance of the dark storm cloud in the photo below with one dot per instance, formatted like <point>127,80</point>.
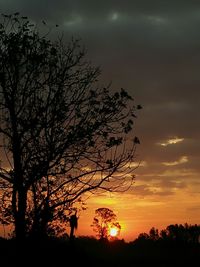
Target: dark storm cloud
<point>149,47</point>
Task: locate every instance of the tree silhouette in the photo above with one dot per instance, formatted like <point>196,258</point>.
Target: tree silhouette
<point>61,134</point>
<point>175,233</point>
<point>153,234</point>
<point>104,219</point>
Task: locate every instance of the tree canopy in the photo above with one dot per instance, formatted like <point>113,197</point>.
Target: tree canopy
<point>173,233</point>
<point>104,220</point>
<point>62,134</point>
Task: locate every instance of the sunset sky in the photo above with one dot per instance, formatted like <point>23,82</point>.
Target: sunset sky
<point>152,49</point>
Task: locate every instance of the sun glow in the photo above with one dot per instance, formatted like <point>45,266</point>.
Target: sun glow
<point>113,232</point>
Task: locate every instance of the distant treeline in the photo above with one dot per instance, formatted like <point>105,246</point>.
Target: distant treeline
<point>173,233</point>
<point>177,245</point>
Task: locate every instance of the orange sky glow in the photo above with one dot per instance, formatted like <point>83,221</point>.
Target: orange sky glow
<point>137,214</point>
<point>162,194</point>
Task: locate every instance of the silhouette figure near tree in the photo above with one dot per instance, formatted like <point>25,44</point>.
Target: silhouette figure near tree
<point>73,225</point>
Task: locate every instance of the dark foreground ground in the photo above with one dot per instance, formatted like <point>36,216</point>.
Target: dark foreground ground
<point>90,252</point>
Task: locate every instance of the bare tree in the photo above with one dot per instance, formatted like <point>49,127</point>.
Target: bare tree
<point>61,134</point>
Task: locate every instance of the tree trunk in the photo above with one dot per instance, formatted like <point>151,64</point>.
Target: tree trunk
<point>71,233</point>
<point>20,217</point>
<point>19,190</point>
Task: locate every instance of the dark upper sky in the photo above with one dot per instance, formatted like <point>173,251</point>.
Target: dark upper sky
<point>152,49</point>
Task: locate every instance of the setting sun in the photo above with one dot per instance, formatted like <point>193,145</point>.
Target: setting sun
<point>113,232</point>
